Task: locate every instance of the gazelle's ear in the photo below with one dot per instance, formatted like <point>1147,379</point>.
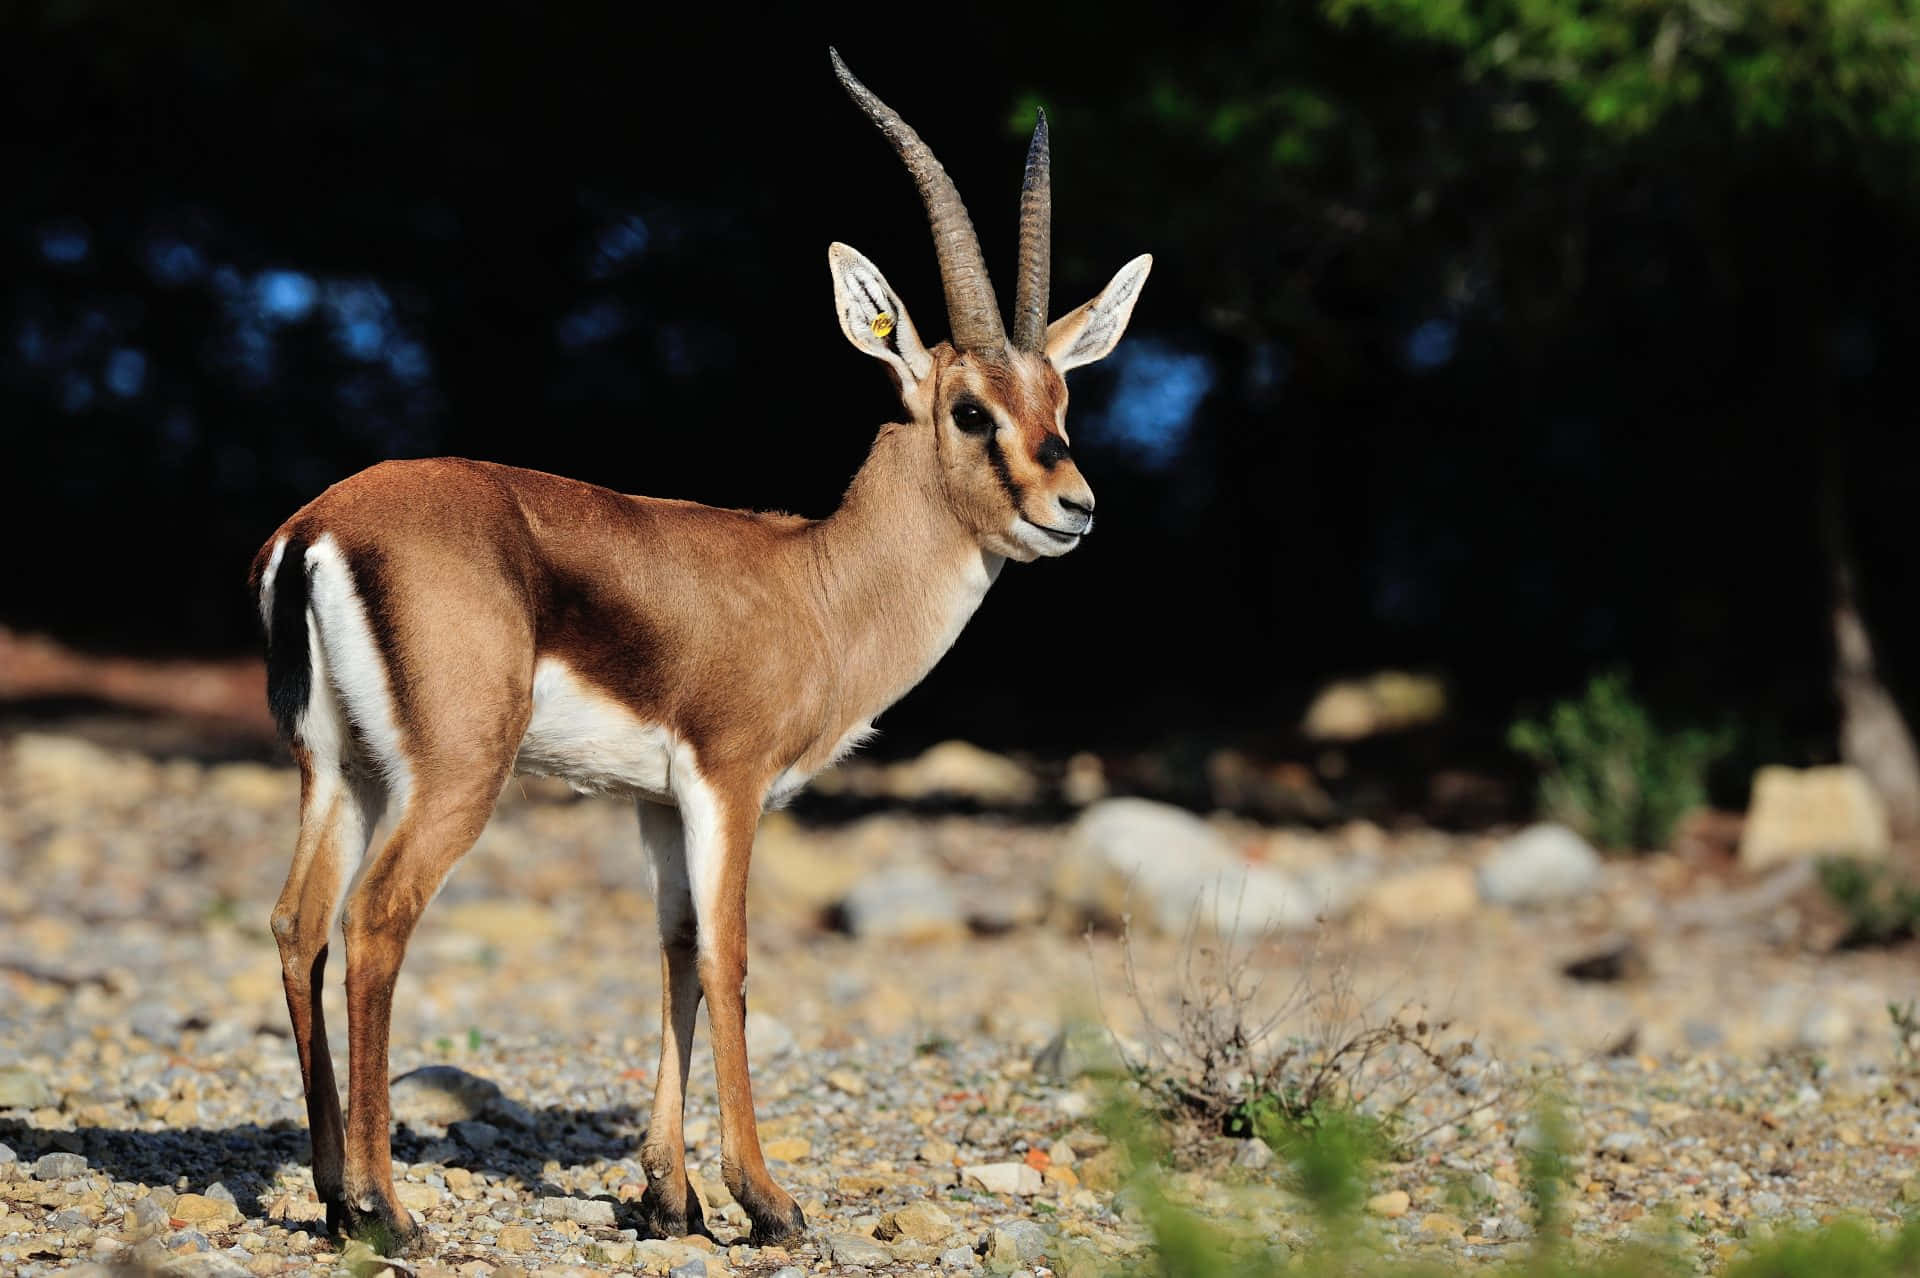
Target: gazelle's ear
<point>873,318</point>
<point>1090,333</point>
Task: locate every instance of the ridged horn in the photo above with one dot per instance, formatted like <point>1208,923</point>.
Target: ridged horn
<point>1036,247</point>
<point>972,311</point>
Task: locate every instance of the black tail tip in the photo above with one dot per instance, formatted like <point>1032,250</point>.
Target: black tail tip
<point>289,666</point>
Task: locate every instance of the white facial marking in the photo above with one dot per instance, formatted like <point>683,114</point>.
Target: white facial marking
<point>357,670</point>
<point>591,741</point>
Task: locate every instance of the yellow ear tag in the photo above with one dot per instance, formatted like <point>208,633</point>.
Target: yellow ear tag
<point>882,324</point>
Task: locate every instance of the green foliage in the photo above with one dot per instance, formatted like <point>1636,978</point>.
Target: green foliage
<point>1881,906</point>
<point>1850,66</point>
<point>1329,1169</point>
<point>1610,772</point>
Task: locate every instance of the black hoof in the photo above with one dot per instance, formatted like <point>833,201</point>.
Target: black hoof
<point>662,1218</point>
<point>776,1223</point>
<point>386,1229</point>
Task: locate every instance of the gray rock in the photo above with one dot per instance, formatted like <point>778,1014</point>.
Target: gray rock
<point>68,1218</point>
<point>587,1211</point>
<point>221,1194</point>
<point>7,1156</point>
<point>1624,1141</point>
<point>59,1167</point>
<point>695,1268</point>
<point>211,1264</point>
<point>908,903</point>
<point>442,1094</point>
<point>21,1088</point>
<point>855,1249</point>
<point>1166,867</point>
<point>1016,1242</point>
<point>789,1271</point>
<point>957,1258</point>
<point>1766,1204</point>
<point>1253,1155</point>
<point>1541,864</point>
<point>474,1134</point>
<point>148,1214</point>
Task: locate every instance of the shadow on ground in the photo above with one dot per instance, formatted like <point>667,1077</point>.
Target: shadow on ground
<point>247,1158</point>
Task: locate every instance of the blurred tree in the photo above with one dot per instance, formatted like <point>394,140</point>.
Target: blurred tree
<point>1832,84</point>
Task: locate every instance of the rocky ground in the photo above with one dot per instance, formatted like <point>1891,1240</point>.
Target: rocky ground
<point>1726,1072</point>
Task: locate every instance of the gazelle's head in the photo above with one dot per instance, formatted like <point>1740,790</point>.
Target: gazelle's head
<point>996,404</point>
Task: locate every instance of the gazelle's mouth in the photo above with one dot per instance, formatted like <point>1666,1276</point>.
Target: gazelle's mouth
<point>1061,534</point>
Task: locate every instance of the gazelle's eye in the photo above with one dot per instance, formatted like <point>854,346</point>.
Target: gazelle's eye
<point>969,416</point>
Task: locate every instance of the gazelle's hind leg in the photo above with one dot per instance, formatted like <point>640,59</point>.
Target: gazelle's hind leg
<point>437,827</point>
<point>336,818</point>
<point>669,1208</point>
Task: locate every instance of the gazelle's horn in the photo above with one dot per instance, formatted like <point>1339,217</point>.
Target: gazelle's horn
<point>1036,248</point>
<point>972,312</point>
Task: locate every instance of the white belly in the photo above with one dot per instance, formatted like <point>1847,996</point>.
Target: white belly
<point>590,741</point>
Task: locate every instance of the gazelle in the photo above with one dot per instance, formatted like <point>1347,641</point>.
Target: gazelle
<point>435,625</point>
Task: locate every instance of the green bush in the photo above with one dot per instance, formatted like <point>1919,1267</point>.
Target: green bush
<point>1882,907</point>
<point>1610,772</point>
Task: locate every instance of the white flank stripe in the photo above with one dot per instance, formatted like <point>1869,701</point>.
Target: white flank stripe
<point>353,659</point>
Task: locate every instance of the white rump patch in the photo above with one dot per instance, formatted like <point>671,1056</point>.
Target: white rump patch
<point>266,582</point>
<point>591,741</point>
<point>354,665</point>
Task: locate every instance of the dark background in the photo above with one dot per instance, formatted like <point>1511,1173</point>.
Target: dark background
<point>1436,369</point>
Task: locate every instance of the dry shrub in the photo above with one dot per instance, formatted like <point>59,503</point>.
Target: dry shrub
<point>1218,1051</point>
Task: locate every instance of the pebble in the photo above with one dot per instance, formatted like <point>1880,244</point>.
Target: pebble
<point>1003,1178</point>
<point>920,1222</point>
<point>1392,1204</point>
<point>586,1211</point>
<point>855,1249</point>
<point>695,1268</point>
<point>845,1080</point>
<point>958,1258</point>
<point>1253,1155</point>
<point>198,1208</point>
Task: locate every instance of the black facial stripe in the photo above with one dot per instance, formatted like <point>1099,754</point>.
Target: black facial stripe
<point>1052,451</point>
<point>998,460</point>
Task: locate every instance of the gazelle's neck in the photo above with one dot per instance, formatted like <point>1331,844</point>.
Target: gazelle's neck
<point>898,575</point>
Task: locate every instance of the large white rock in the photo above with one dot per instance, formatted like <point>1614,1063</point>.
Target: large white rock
<point>1542,863</point>
<point>1808,812</point>
<point>1164,866</point>
<point>903,903</point>
<point>962,770</point>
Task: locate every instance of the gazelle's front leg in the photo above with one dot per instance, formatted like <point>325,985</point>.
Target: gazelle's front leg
<point>670,1208</point>
<point>720,823</point>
